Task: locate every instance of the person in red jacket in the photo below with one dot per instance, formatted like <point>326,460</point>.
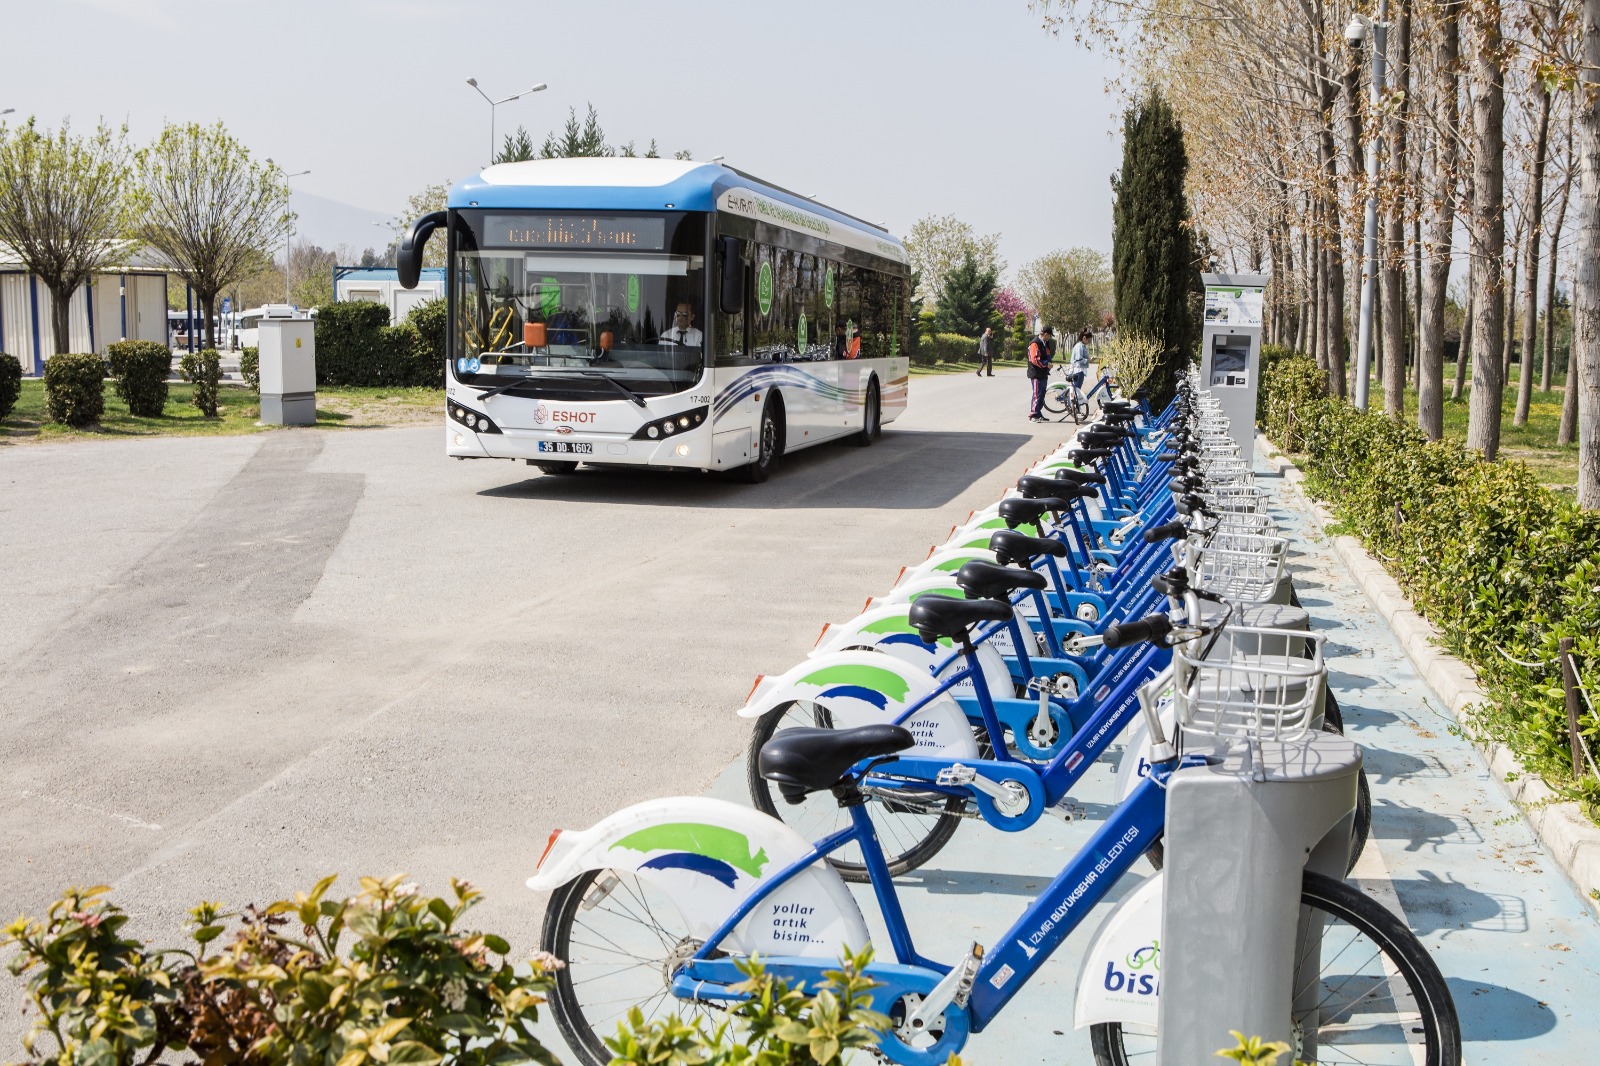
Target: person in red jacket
<point>1040,354</point>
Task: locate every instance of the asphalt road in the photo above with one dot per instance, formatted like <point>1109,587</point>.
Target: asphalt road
<point>230,666</point>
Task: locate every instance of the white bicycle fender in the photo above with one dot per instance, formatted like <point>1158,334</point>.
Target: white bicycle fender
<point>943,584</point>
<point>1121,976</point>
<point>867,687</point>
<point>887,628</point>
<point>709,855</point>
<point>947,561</point>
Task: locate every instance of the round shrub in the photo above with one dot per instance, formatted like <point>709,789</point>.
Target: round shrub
<point>203,370</point>
<point>432,322</point>
<point>10,383</point>
<point>250,367</point>
<point>141,369</point>
<point>74,389</point>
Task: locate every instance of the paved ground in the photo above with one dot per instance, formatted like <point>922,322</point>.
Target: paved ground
<point>252,661</point>
<point>232,665</point>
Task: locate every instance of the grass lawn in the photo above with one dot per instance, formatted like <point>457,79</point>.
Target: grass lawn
<point>237,412</point>
<point>1534,443</point>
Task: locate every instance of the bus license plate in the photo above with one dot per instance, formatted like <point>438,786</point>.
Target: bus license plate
<point>566,446</point>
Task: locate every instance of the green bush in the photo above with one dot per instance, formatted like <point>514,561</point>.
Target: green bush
<point>10,383</point>
<point>947,348</point>
<point>74,389</point>
<point>250,367</point>
<point>1501,565</point>
<point>357,346</point>
<point>387,975</point>
<point>432,321</point>
<point>1271,356</point>
<point>203,370</point>
<point>1289,385</point>
<point>141,369</point>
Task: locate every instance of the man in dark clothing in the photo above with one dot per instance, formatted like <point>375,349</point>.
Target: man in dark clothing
<point>986,352</point>
<point>1040,353</point>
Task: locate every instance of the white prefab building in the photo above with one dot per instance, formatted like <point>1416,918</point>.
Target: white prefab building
<point>381,285</point>
<point>115,305</point>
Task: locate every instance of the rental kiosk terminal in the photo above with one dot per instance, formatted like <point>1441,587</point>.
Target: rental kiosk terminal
<point>1230,350</point>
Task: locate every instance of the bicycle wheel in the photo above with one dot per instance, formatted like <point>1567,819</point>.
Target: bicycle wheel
<point>621,938</point>
<point>1058,398</point>
<point>1080,409</point>
<point>911,829</point>
<point>1373,996</point>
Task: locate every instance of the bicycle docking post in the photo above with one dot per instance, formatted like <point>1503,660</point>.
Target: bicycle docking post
<point>1239,834</point>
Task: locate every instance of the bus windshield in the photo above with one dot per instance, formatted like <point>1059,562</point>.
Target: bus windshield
<point>548,303</point>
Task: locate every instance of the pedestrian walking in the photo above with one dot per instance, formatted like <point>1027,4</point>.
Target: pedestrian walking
<point>986,351</point>
<point>1041,351</point>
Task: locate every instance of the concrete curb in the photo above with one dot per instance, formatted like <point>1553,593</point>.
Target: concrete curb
<point>1571,838</point>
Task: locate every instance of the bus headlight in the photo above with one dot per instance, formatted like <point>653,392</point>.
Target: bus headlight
<point>682,449</point>
<point>471,419</point>
<point>670,424</point>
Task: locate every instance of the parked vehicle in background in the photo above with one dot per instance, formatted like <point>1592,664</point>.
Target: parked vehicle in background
<point>250,320</point>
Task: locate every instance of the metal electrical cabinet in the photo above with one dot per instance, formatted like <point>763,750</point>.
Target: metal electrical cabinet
<point>1230,349</point>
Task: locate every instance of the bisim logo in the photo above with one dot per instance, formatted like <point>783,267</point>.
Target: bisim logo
<point>1142,976</point>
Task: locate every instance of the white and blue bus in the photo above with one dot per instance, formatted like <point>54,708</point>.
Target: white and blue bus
<point>658,312</point>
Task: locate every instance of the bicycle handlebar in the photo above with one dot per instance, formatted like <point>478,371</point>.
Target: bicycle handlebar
<point>1150,627</point>
<point>1170,531</point>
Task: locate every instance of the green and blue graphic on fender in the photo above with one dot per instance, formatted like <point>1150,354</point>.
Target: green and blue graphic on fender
<point>706,849</point>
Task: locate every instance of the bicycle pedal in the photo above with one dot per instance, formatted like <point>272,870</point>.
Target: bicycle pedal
<point>1069,812</point>
<point>956,775</point>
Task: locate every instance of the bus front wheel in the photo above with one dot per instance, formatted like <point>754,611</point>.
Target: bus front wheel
<point>872,419</point>
<point>769,445</point>
<point>558,466</point>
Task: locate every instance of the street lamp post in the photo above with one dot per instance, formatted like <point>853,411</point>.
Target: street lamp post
<point>496,103</point>
<point>1355,33</point>
<point>288,243</point>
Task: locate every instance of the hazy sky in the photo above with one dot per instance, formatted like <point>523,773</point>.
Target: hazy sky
<point>888,109</point>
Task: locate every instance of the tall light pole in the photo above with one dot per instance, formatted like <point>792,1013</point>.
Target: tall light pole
<point>288,243</point>
<point>496,103</point>
<point>1355,33</point>
<point>7,111</point>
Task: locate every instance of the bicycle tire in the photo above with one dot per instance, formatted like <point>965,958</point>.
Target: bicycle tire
<point>908,837</point>
<point>581,1025</point>
<point>1056,398</point>
<point>1440,1027</point>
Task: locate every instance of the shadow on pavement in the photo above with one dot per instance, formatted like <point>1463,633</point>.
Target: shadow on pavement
<point>1493,1012</point>
<point>912,470</point>
<point>1420,828</point>
<point>1446,906</point>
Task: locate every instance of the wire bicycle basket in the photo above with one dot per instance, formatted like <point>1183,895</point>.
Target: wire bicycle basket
<point>1240,567</point>
<point>1256,684</point>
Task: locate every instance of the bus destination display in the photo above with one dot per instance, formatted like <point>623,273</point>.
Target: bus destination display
<point>640,232</point>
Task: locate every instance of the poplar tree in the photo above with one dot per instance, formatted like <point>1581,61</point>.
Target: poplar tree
<point>1152,247</point>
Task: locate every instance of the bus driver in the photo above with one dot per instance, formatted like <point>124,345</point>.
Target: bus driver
<point>682,330</point>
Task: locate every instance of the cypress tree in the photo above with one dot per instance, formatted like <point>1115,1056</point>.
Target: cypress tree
<point>1020,336</point>
<point>1153,263</point>
<point>966,300</point>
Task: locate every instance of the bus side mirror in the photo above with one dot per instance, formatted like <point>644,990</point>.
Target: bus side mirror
<point>732,296</point>
<point>408,259</point>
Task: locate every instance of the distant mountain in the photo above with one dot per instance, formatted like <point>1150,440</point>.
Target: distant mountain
<point>329,223</point>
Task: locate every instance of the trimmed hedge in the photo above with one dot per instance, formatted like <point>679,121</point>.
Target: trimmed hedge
<point>357,346</point>
<point>74,389</point>
<point>250,367</point>
<point>203,369</point>
<point>946,348</point>
<point>141,369</point>
<point>10,383</point>
<point>1503,566</point>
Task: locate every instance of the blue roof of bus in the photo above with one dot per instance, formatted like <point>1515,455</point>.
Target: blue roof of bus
<point>629,184</point>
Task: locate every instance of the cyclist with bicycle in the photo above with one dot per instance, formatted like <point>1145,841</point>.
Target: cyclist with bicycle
<point>1079,364</point>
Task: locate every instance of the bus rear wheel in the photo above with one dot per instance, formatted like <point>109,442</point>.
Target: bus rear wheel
<point>769,446</point>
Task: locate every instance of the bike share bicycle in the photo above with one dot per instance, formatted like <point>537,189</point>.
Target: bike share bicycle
<point>656,904</point>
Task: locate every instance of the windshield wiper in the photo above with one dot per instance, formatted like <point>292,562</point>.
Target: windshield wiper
<point>498,389</point>
<point>614,383</point>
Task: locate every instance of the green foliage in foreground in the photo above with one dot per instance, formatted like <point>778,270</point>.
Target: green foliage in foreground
<point>1502,565</point>
<point>203,370</point>
<point>141,369</point>
<point>384,976</point>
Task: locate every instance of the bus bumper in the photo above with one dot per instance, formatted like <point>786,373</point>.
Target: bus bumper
<point>692,450</point>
